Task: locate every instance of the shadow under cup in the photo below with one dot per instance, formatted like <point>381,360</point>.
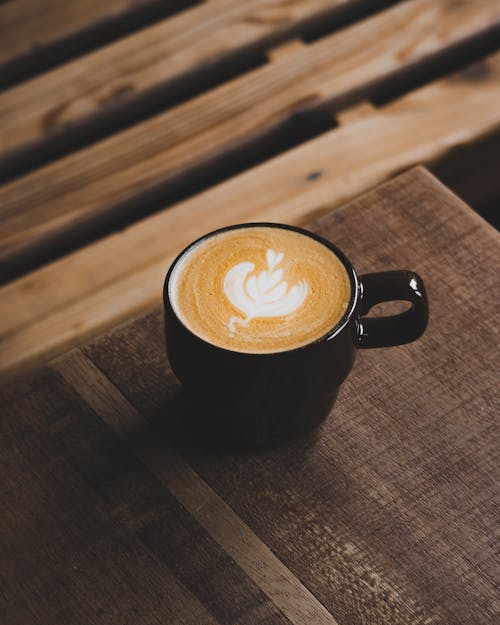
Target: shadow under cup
<point>262,399</point>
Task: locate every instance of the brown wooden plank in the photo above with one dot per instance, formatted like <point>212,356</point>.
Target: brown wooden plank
<point>63,303</point>
<point>112,179</point>
<point>289,47</point>
<point>87,94</point>
<point>260,564</point>
<point>355,113</point>
<point>90,536</point>
<point>388,514</point>
<point>36,34</point>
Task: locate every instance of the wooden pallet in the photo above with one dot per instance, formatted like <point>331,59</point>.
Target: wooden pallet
<point>317,100</point>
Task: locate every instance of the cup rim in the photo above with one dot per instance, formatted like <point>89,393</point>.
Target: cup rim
<point>324,338</point>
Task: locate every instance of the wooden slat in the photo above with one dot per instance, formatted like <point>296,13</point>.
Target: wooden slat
<point>289,47</point>
<point>33,32</point>
<point>108,180</point>
<point>147,65</point>
<point>68,300</point>
<point>355,113</point>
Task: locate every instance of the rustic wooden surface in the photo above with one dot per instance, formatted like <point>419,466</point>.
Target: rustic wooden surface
<point>115,178</point>
<point>66,301</point>
<point>113,513</point>
<point>35,34</point>
<point>179,48</point>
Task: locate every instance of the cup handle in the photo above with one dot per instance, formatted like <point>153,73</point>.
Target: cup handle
<point>398,329</point>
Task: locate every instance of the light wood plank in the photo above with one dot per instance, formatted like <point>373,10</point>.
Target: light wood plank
<point>284,49</point>
<point>96,184</point>
<point>355,113</point>
<point>30,27</point>
<point>182,46</point>
<point>62,304</point>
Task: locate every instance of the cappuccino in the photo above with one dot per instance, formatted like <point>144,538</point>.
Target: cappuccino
<point>259,289</point>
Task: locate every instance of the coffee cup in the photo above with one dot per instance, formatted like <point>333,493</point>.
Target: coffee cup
<point>263,322</point>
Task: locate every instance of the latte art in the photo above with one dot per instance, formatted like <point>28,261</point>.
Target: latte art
<point>265,295</point>
<point>259,289</point>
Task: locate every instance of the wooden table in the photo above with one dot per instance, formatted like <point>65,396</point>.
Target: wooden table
<point>129,128</point>
<point>113,513</point>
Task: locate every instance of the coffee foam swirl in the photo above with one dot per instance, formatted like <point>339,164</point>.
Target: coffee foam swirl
<point>265,295</point>
<point>259,289</point>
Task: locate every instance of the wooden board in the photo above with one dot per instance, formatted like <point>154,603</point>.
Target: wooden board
<point>113,179</point>
<point>35,34</point>
<point>385,516</point>
<point>151,64</point>
<point>90,536</point>
<point>67,301</point>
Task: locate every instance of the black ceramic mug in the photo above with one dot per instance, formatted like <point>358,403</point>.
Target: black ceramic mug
<point>270,397</point>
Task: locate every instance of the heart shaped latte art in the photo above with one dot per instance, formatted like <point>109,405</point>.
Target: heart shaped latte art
<point>263,295</point>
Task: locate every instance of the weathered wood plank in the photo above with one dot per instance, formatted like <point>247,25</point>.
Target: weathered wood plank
<point>36,34</point>
<point>88,93</point>
<point>207,508</point>
<point>105,182</point>
<point>289,47</point>
<point>61,304</point>
<point>89,536</point>
<point>388,514</point>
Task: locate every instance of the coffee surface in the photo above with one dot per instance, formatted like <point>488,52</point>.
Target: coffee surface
<point>259,289</point>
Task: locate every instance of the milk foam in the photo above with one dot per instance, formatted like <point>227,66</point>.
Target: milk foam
<point>259,289</point>
<point>262,295</point>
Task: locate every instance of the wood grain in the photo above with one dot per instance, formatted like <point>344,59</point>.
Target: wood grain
<point>137,68</point>
<point>386,515</point>
<point>226,528</point>
<point>35,34</point>
<point>89,536</point>
<point>67,301</point>
<point>112,180</point>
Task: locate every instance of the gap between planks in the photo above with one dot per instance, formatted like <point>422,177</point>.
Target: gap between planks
<point>282,587</point>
